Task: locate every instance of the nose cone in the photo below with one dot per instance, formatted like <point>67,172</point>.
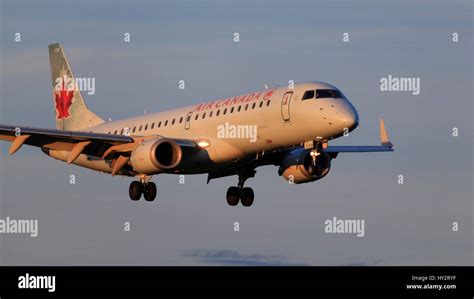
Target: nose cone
<point>349,117</point>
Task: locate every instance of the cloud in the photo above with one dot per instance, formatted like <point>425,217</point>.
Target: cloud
<point>226,257</point>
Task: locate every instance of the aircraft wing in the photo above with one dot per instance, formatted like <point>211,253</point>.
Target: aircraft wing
<point>358,149</point>
<point>60,140</point>
<point>385,145</point>
<point>76,142</point>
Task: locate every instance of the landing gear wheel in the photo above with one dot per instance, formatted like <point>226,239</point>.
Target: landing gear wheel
<point>233,194</point>
<point>149,191</point>
<point>239,193</point>
<point>247,197</point>
<point>135,190</point>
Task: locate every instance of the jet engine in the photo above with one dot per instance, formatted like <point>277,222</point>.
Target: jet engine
<point>155,156</point>
<point>298,166</point>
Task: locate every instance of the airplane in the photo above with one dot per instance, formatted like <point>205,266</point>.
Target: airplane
<point>292,128</point>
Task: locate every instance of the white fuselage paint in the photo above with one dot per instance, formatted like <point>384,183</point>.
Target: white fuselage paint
<point>277,125</point>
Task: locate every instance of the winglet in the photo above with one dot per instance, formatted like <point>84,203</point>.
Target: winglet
<point>384,136</point>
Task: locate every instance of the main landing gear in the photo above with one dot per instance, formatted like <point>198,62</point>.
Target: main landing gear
<point>148,189</point>
<point>239,193</point>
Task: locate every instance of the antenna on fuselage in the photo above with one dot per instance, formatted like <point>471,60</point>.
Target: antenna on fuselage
<point>266,87</point>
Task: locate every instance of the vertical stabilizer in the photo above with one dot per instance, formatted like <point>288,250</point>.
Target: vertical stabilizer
<point>71,111</point>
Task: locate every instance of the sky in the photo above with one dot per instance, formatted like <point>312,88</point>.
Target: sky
<point>191,223</point>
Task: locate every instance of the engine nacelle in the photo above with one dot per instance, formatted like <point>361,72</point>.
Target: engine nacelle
<point>155,156</point>
<point>297,166</point>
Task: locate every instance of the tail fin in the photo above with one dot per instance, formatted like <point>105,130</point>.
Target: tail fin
<point>71,110</point>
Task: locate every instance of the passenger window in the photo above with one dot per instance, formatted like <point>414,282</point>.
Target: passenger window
<point>159,124</point>
<point>172,122</point>
<point>210,114</point>
<point>232,110</point>
<point>196,118</point>
<point>253,105</point>
<point>268,103</point>
<point>204,115</point>
<point>134,128</point>
<point>246,107</point>
<point>115,132</point>
<point>181,120</point>
<point>152,126</point>
<point>166,123</point>
<point>146,127</point>
<point>261,104</point>
<point>218,111</point>
<point>309,94</point>
<point>225,111</point>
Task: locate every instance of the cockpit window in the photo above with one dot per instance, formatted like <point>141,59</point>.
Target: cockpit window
<point>309,94</point>
<point>328,93</point>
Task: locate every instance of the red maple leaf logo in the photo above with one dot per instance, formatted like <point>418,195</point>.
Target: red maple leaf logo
<point>268,94</point>
<point>63,98</point>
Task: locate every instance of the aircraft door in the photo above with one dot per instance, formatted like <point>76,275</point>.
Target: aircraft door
<point>285,106</point>
<point>187,123</point>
